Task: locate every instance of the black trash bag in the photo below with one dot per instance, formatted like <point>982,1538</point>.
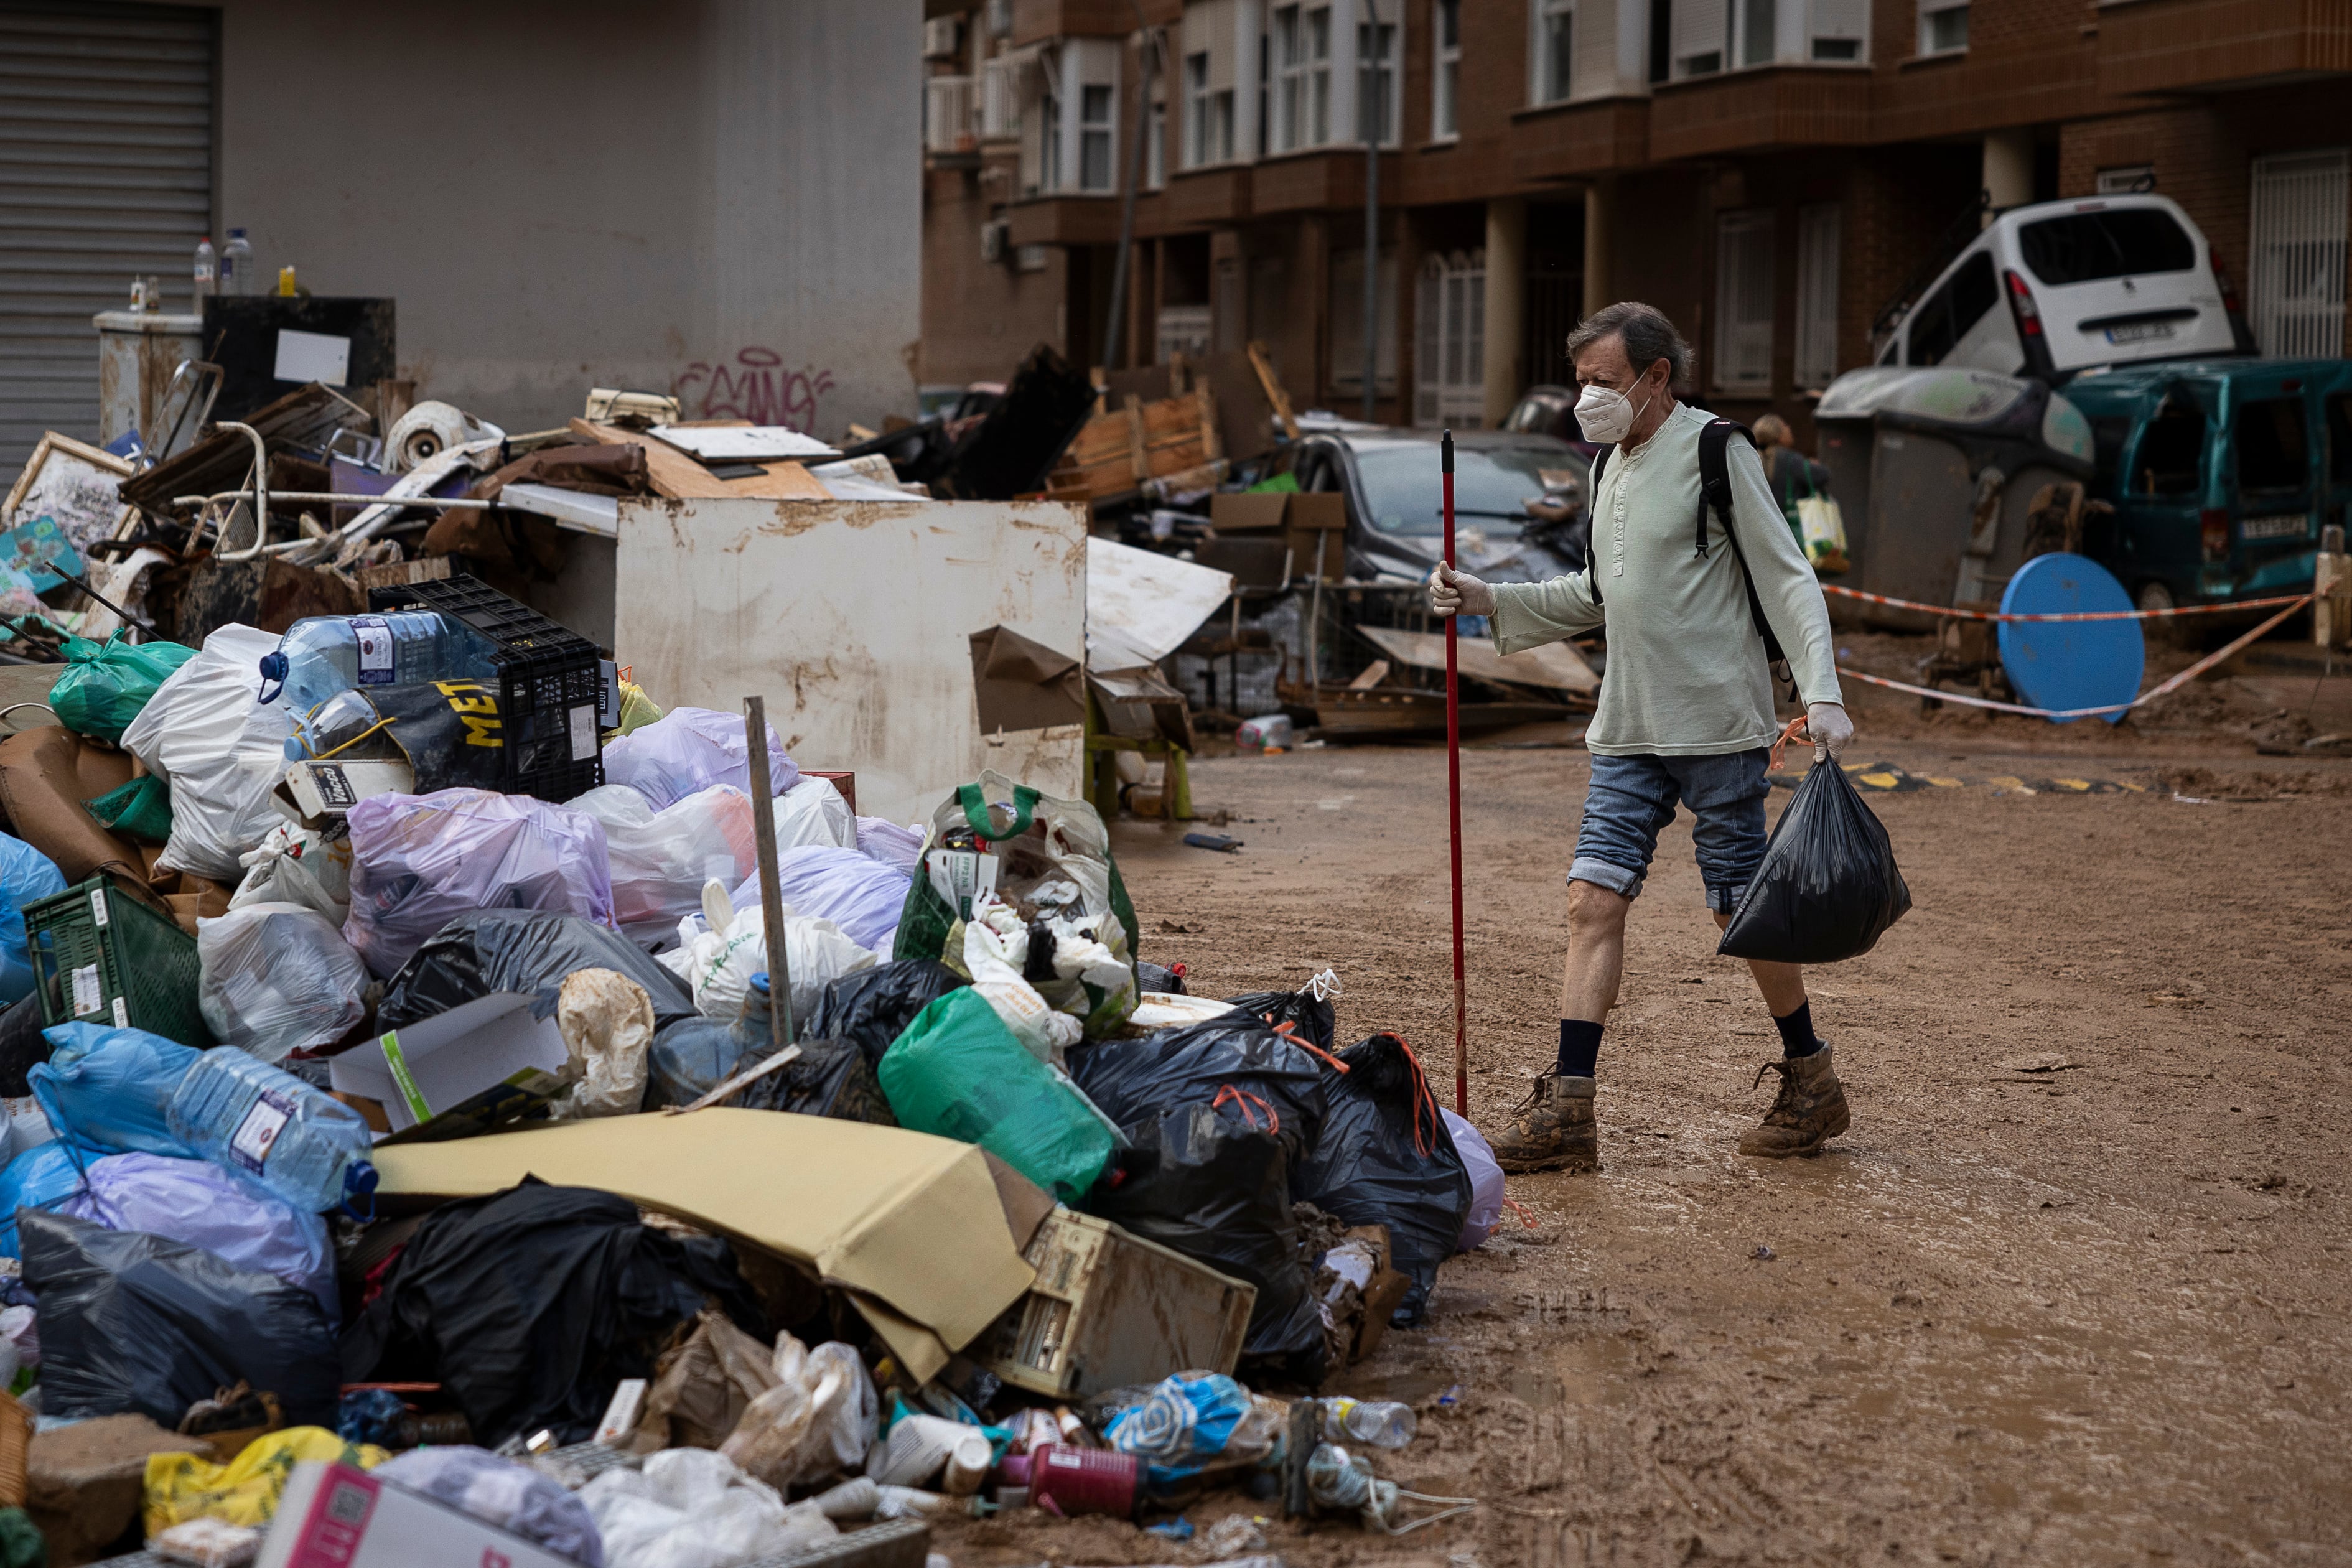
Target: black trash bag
<point>1216,1117</point>
<point>830,1078</point>
<point>22,1044</point>
<point>873,1006</point>
<point>137,1323</point>
<point>1152,978</point>
<point>1386,1158</point>
<point>524,950</point>
<point>530,1305</point>
<point>1309,1016</point>
<point>1828,887</point>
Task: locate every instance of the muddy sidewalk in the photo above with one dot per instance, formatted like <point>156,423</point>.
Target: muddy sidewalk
<point>2073,1290</point>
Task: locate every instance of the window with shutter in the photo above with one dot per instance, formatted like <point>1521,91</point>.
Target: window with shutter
<point>1450,351</point>
<point>2296,246</point>
<point>1446,73</point>
<point>1817,295</point>
<point>1701,39</point>
<point>1838,30</point>
<point>1743,303</point>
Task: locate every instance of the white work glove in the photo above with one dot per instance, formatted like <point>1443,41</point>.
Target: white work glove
<point>1828,728</point>
<point>1455,593</point>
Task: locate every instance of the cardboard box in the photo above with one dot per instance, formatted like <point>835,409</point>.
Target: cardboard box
<point>1318,518</point>
<point>460,1072</point>
<point>336,1516</point>
<point>1248,513</point>
<point>913,1227</point>
<point>1109,1308</point>
<point>318,795</point>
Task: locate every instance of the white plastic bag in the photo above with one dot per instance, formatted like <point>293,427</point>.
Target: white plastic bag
<point>820,1416</point>
<point>692,1508</point>
<point>687,751</point>
<point>719,950</point>
<point>295,866</point>
<point>813,812</point>
<point>221,752</point>
<point>279,978</point>
<point>661,859</point>
<point>995,952</point>
<point>608,1022</point>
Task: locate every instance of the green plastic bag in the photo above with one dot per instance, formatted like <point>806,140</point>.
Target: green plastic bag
<point>141,809</point>
<point>104,686</point>
<point>958,1072</point>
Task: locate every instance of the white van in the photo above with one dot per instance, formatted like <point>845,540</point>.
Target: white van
<point>2056,289</point>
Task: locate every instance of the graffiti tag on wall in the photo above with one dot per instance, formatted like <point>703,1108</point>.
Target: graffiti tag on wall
<point>756,386</point>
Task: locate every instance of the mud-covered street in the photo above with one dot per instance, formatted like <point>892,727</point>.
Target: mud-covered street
<point>2073,1288</point>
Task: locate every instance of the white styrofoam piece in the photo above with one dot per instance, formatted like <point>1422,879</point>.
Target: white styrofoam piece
<point>599,515</point>
<point>1151,602</point>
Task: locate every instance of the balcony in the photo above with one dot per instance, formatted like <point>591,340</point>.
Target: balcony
<point>1039,21</point>
<point>950,120</point>
<point>1565,139</point>
<point>1207,198</point>
<point>1759,110</point>
<point>2188,46</point>
<point>1065,220</point>
<point>1328,179</point>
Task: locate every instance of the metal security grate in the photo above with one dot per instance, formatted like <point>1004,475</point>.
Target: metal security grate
<point>106,173</point>
<point>2302,210</point>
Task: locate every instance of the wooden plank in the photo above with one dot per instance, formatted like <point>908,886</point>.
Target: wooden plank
<point>680,478</point>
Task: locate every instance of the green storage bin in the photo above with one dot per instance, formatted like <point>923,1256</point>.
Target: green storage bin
<point>957,1071</point>
<point>101,955</point>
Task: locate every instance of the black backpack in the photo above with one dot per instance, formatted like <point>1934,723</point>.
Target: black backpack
<point>1713,490</point>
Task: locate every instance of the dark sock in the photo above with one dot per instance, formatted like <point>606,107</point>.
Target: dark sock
<point>1797,1037</point>
<point>1579,1047</point>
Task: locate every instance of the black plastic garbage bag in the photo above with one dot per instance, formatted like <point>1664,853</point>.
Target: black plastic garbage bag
<point>530,1305</point>
<point>1386,1158</point>
<point>873,1006</point>
<point>1828,887</point>
<point>524,950</point>
<point>1216,1117</point>
<point>830,1078</point>
<point>137,1323</point>
<point>22,1044</point>
<point>1309,1015</point>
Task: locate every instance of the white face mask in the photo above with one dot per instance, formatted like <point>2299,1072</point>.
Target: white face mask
<point>1607,416</point>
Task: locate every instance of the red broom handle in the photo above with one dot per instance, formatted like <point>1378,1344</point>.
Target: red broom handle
<point>1454,805</point>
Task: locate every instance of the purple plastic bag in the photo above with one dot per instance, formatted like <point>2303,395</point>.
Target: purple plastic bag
<point>687,751</point>
<point>420,861</point>
<point>1486,1182</point>
<point>199,1204</point>
<point>861,895</point>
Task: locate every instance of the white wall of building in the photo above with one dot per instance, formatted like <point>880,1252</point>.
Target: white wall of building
<point>718,196</point>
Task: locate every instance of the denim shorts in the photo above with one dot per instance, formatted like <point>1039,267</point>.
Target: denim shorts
<point>1631,798</point>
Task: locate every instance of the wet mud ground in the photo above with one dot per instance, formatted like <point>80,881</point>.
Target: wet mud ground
<point>2073,1290</point>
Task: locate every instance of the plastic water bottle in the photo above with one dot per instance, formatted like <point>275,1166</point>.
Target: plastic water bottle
<point>270,1127</point>
<point>236,264</point>
<point>327,654</point>
<point>1382,1423</point>
<point>206,274</point>
<point>695,1056</point>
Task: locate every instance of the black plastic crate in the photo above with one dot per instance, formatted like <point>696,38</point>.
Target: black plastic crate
<point>550,684</point>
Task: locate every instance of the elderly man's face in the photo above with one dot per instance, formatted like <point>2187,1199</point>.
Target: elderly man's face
<point>1604,363</point>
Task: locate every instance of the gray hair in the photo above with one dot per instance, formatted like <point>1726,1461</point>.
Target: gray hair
<point>1644,330</point>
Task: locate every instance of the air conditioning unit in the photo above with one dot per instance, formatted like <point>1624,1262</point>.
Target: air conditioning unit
<point>995,235</point>
<point>940,38</point>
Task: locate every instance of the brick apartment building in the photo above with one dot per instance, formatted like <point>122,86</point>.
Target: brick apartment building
<point>1768,172</point>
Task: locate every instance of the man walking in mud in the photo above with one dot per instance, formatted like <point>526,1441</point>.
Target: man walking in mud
<point>1686,713</point>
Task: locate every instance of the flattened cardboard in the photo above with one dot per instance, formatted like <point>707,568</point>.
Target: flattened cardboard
<point>911,1223</point>
<point>469,1070</point>
<point>1022,684</point>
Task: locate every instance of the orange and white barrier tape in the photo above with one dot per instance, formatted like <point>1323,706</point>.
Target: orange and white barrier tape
<point>2178,682</point>
<point>1947,611</point>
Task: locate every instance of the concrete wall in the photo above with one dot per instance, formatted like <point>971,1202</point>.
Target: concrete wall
<point>716,196</point>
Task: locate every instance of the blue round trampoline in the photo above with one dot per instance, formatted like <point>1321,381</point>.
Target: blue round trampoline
<point>2067,665</point>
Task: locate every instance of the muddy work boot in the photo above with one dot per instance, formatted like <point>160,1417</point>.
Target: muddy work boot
<point>1810,1112</point>
<point>1550,1130</point>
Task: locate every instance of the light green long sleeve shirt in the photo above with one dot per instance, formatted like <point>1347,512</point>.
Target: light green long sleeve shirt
<point>1686,675</point>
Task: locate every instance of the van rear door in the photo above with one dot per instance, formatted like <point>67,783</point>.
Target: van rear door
<point>2118,282</point>
<point>2273,453</point>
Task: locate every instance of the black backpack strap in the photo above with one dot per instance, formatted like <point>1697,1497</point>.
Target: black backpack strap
<point>1593,521</point>
<point>1715,491</point>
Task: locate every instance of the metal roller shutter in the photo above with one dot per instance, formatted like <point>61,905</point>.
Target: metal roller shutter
<point>106,173</point>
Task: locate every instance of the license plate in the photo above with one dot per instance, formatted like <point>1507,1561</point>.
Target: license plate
<point>2139,333</point>
<point>2292,525</point>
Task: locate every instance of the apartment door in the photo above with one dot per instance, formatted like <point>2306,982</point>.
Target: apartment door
<point>1450,357</point>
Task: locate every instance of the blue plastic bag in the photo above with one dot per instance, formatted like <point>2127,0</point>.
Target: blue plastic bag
<point>107,1089</point>
<point>40,1178</point>
<point>198,1203</point>
<point>1185,1422</point>
<point>26,874</point>
<point>863,896</point>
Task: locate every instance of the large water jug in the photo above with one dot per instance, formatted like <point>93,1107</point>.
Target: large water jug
<point>297,1141</point>
<point>695,1056</point>
<point>327,654</point>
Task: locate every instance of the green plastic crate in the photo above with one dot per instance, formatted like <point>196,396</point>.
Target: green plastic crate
<point>104,957</point>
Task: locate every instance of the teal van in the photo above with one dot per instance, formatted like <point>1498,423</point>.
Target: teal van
<point>2221,473</point>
